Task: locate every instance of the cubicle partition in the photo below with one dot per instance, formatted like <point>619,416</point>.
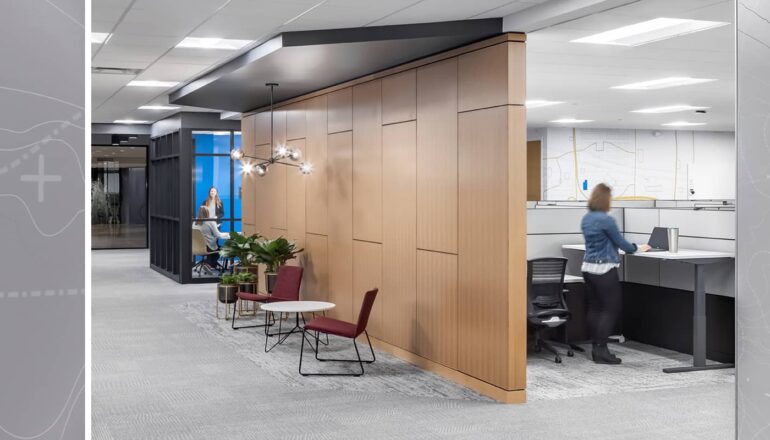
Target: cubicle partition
<point>657,293</point>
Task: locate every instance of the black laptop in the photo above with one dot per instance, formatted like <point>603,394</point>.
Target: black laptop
<point>658,240</point>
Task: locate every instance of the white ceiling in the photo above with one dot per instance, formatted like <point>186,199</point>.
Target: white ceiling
<point>145,33</point>
<point>582,74</point>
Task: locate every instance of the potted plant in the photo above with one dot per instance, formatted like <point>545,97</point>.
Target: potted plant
<point>226,291</point>
<point>247,282</point>
<point>274,254</point>
<point>244,248</point>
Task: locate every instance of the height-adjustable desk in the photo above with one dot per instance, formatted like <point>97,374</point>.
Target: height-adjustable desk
<point>699,259</point>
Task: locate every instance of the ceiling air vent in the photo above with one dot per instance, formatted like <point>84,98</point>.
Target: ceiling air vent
<point>116,71</point>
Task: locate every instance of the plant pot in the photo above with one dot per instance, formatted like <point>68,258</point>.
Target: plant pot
<point>247,287</point>
<point>252,269</point>
<point>226,293</point>
<point>270,279</point>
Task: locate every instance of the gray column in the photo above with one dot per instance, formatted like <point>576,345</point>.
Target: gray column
<point>752,298</point>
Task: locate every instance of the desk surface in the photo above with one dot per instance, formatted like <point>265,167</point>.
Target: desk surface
<point>572,279</point>
<point>683,254</point>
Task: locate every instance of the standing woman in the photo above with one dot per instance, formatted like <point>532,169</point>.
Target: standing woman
<point>214,205</point>
<point>600,270</point>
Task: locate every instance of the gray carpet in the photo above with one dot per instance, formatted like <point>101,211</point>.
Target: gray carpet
<point>158,375</point>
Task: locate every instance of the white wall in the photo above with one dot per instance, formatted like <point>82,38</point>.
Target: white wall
<point>661,164</point>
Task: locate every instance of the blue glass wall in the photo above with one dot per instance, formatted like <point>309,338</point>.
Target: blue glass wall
<point>212,167</point>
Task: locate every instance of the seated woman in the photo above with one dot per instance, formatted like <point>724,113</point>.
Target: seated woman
<point>210,233</point>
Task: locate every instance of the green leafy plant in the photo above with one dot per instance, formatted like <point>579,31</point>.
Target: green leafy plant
<point>229,279</point>
<point>242,246</point>
<point>246,277</point>
<point>275,253</point>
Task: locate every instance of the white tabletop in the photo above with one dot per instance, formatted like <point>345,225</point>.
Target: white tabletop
<point>572,279</point>
<point>683,254</point>
<point>297,306</point>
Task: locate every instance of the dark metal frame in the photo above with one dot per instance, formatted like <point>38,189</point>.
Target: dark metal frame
<point>360,361</point>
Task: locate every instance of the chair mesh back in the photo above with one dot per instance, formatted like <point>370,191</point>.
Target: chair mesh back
<point>545,281</point>
<point>366,310</point>
<point>288,283</point>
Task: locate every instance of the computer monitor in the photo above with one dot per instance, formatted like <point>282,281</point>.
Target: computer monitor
<point>659,239</point>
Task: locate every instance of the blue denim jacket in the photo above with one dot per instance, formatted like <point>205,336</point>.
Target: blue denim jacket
<point>603,238</point>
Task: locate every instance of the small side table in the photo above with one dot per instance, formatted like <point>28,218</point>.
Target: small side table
<point>296,307</point>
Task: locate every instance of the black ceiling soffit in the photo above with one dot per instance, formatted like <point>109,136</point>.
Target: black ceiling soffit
<point>303,62</point>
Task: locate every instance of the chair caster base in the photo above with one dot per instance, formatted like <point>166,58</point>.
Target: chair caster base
<point>570,353</point>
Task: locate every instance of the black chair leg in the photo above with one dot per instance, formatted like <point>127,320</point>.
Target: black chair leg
<point>550,348</point>
<point>358,359</point>
<point>266,324</point>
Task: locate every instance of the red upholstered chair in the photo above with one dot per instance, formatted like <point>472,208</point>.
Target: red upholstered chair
<point>335,327</point>
<point>286,289</point>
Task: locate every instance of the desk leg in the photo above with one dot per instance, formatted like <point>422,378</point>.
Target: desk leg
<point>698,328</point>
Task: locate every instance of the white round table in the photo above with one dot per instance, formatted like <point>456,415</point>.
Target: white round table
<point>296,307</point>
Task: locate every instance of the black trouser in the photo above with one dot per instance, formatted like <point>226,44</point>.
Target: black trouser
<point>604,303</point>
<point>212,259</point>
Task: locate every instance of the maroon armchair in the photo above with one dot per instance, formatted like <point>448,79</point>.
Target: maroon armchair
<point>286,289</point>
<point>331,326</point>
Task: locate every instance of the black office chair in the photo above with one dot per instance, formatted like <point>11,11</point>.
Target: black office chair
<point>546,307</point>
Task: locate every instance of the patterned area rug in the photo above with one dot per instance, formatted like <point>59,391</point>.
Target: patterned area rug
<point>388,374</point>
<point>641,370</point>
<point>576,376</point>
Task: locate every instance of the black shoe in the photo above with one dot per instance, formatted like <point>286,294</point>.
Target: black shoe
<point>601,355</point>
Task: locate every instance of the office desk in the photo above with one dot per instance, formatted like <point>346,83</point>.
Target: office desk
<point>699,259</point>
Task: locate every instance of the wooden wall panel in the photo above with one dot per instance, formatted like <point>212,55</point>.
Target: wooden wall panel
<point>367,274</point>
<point>399,102</point>
<point>262,128</point>
<point>517,73</point>
<point>483,78</point>
<point>315,279</point>
<point>295,198</point>
<point>340,181</point>
<point>437,156</point>
<point>437,307</point>
<point>483,245</point>
<point>247,189</point>
<point>315,145</point>
<point>367,162</point>
<point>296,120</point>
<point>517,246</point>
<point>248,134</point>
<point>276,176</point>
<point>399,242</point>
<point>261,199</point>
<point>340,110</point>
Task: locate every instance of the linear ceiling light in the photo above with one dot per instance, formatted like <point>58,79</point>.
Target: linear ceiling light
<point>100,37</point>
<point>151,83</point>
<point>213,43</point>
<point>683,124</point>
<point>571,121</point>
<point>669,109</point>
<point>129,121</point>
<point>158,107</point>
<point>536,103</point>
<point>650,31</point>
<point>663,83</point>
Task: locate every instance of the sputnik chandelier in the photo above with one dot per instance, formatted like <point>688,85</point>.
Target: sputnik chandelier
<point>260,165</point>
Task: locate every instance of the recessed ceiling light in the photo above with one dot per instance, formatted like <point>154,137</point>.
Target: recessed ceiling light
<point>100,37</point>
<point>535,103</point>
<point>571,121</point>
<point>669,109</point>
<point>151,83</point>
<point>650,31</point>
<point>129,121</point>
<point>663,83</point>
<point>683,124</point>
<point>213,43</point>
<point>158,107</point>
